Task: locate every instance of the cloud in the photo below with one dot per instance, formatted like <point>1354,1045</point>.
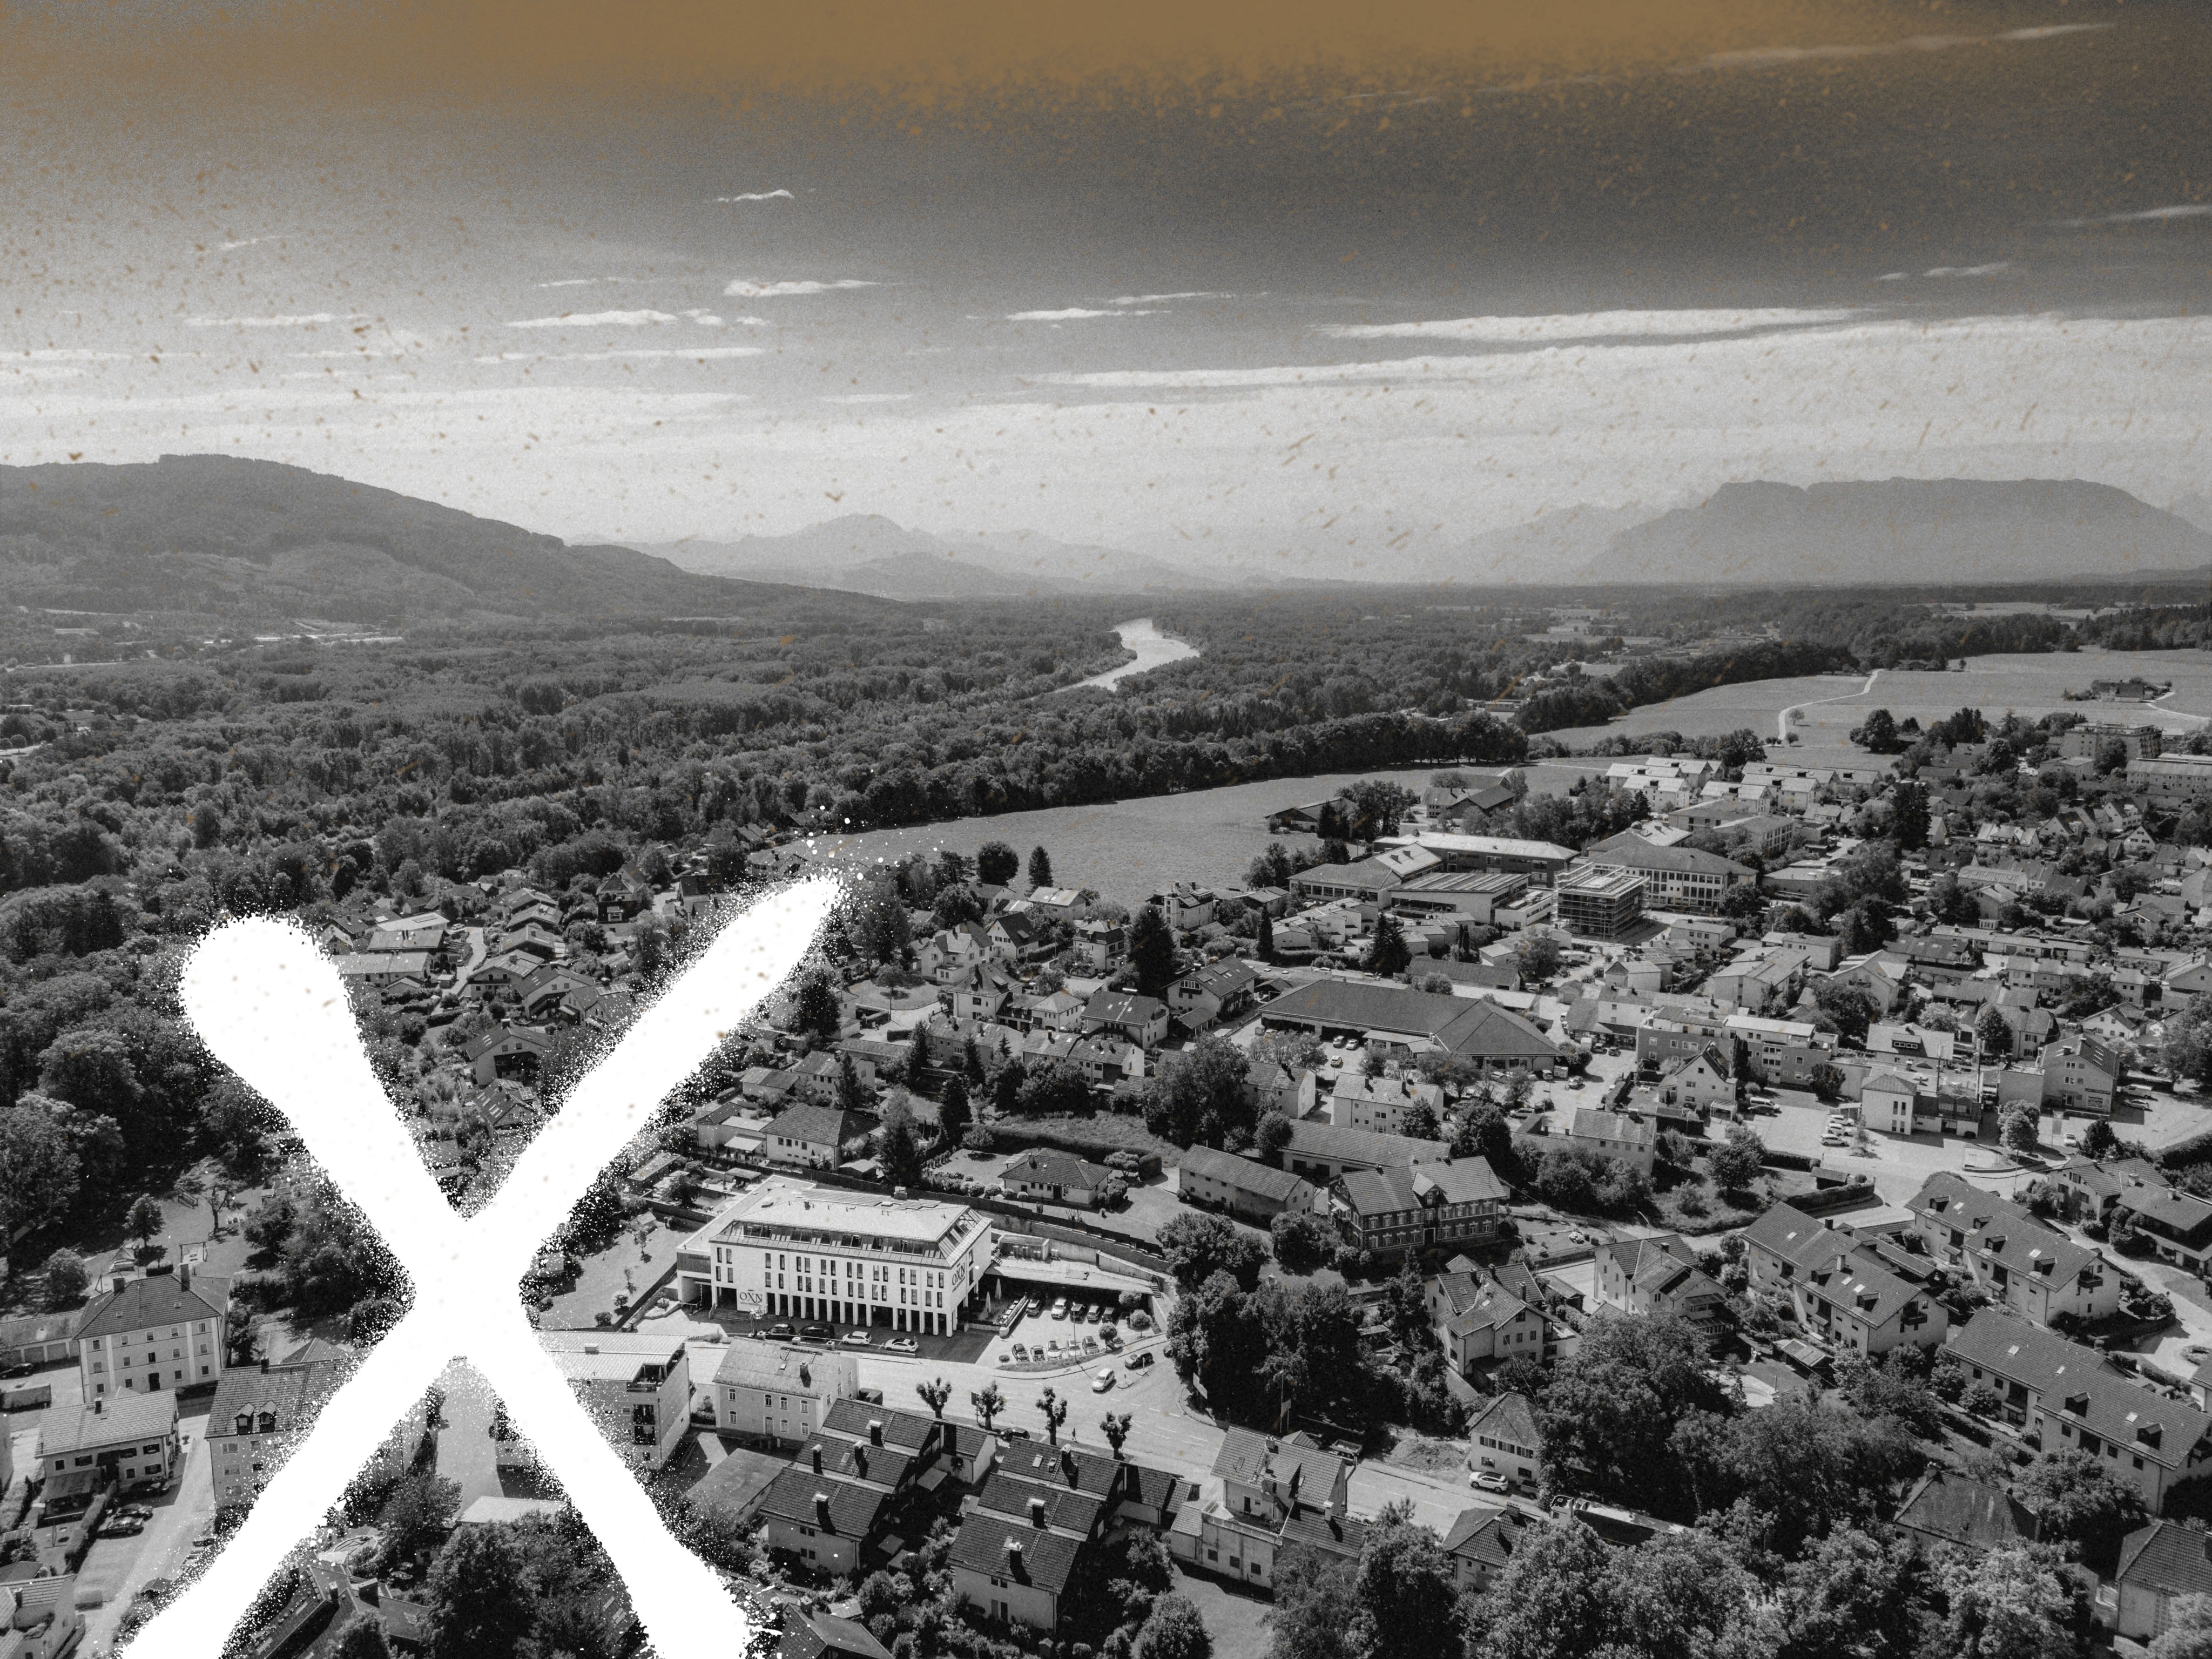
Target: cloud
<point>760,196</point>
<point>742,289</point>
<point>1154,299</point>
<point>309,320</point>
<point>1587,325</point>
<point>701,354</point>
<point>1992,270</point>
<point>869,397</point>
<point>1069,315</point>
<point>2148,215</point>
<point>619,319</point>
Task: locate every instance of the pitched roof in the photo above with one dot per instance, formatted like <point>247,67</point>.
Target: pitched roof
<point>1321,1528</point>
<point>1592,1124</point>
<point>162,1299</point>
<point>129,1416</point>
<point>1253,1459</point>
<point>293,1393</point>
<point>1039,1557</point>
<point>1245,1174</point>
<point>856,1460</point>
<point>817,1636</point>
<point>1064,1508</point>
<point>2002,1231</point>
<point>1051,1166</point>
<point>1453,1181</point>
<point>2167,1555</point>
<point>2147,1424</point>
<point>908,1431</point>
<point>1489,1536</point>
<point>1062,1465</point>
<point>853,1507</point>
<point>820,1126</point>
<point>1960,1510</point>
<point>1509,1416</point>
<point>1342,1146</point>
<point>1633,852</point>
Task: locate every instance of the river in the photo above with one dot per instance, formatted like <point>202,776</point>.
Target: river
<point>1154,650</point>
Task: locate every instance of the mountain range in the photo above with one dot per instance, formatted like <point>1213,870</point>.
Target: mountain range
<point>225,536</point>
<point>864,553</point>
<point>1904,532</point>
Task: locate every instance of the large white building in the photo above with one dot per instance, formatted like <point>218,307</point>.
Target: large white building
<point>790,1247</point>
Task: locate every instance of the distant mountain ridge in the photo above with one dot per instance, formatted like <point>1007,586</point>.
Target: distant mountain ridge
<point>867,553</point>
<point>223,536</point>
<point>1912,531</point>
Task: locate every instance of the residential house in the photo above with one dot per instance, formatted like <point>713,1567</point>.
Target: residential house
<point>951,952</point>
<point>2159,1565</point>
<point>165,1331</point>
<point>775,1394</point>
<point>1221,990</point>
<point>2081,1074</point>
<point>636,1387</point>
<point>1140,1019</point>
<point>1048,1175</point>
<point>2075,1400</point>
<point>965,1452</point>
<point>1945,1510</point>
<point>1704,1080</point>
<point>1633,1140</point>
<point>1480,1546</point>
<point>257,1414</point>
<point>818,1636</point>
<point>1480,1322</point>
<point>2087,1190</point>
<point>1847,1292</point>
<point>128,1442</point>
<point>1246,1188</point>
<point>1399,1211</point>
<point>513,1051</point>
<point>1506,1440</point>
<point>978,991</point>
<point>1385,1105</point>
<point>42,1619</point>
<point>2178,1224</point>
<point>811,1137</point>
<point>1657,1274</point>
<point>1266,1483</point>
<point>2016,1258</point>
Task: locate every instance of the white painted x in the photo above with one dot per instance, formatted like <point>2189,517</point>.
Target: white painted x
<point>268,1005</point>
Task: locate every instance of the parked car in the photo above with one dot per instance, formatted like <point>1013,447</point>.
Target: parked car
<point>778,1332</point>
<point>1138,1361</point>
<point>902,1345</point>
<point>815,1334</point>
<point>1486,1481</point>
<point>1089,1345</point>
<point>1014,1432</point>
<point>1110,1335</point>
<point>1021,1351</point>
<point>1060,1309</point>
<point>857,1339</point>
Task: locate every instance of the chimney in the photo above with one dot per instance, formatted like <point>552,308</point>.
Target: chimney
<point>1037,1513</point>
<point>860,1460</point>
<point>822,1511</point>
<point>591,1347</point>
<point>1014,1559</point>
<point>100,1408</point>
<point>121,1280</point>
<point>264,1364</point>
<point>184,1275</point>
<point>875,1431</point>
<point>818,1459</point>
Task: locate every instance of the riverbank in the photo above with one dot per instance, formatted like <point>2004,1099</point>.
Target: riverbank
<point>1154,650</point>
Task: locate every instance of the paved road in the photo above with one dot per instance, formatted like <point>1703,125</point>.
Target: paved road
<point>127,1566</point>
<point>466,1454</point>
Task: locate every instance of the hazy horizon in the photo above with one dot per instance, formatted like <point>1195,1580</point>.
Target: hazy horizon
<point>1326,316</point>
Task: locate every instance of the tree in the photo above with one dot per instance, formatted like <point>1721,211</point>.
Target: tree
<point>851,1096</point>
<point>818,1009</point>
<point>39,1172</point>
<point>1743,902</point>
<point>1854,1595</point>
<point>1173,1630</point>
<point>1055,1412</point>
<point>1040,868</point>
<point>1852,1008</point>
<point>2017,1128</point>
<point>479,1597</point>
<point>419,1511</point>
<point>987,1402</point>
<point>2080,1501</point>
<point>1197,1247</point>
<point>1199,1095</point>
<point>1302,1242</point>
<point>1908,815</point>
<point>362,1638</point>
<point>1151,951</point>
<point>934,1394</point>
<point>898,1145</point>
<point>953,1112</point>
<point>1538,956</point>
<point>1116,1431</point>
<point>1609,1412</point>
<point>2188,1632</point>
<point>1995,1035</point>
<point>1482,1132</point>
<point>1271,1138</point>
<point>1316,1610</point>
<point>1406,1588</point>
<point>2100,1140</point>
<point>2008,1604</point>
<point>1263,938</point>
<point>1388,954</point>
<point>66,1279</point>
<point>144,1223</point>
<point>1736,1162</point>
<point>997,864</point>
<point>1877,734</point>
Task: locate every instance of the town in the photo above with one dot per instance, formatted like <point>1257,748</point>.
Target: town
<point>1806,1178</point>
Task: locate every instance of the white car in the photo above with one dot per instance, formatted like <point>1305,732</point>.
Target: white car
<point>902,1345</point>
<point>1102,1382</point>
<point>856,1339</point>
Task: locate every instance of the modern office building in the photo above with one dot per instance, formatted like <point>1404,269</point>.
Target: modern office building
<point>1598,903</point>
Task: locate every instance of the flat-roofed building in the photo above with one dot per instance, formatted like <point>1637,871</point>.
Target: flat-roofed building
<point>642,1400</point>
<point>1675,878</point>
<point>1597,903</point>
<point>1471,895</point>
<point>1542,862</point>
<point>788,1247</point>
<point>2171,779</point>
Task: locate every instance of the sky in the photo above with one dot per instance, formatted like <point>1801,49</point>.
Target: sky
<point>1223,283</point>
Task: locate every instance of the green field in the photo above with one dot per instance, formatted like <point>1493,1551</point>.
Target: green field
<point>1829,705</point>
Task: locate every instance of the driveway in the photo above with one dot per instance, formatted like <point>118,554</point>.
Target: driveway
<point>119,1568</point>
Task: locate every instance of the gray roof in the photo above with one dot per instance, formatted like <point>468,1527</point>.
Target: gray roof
<point>1246,1175</point>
